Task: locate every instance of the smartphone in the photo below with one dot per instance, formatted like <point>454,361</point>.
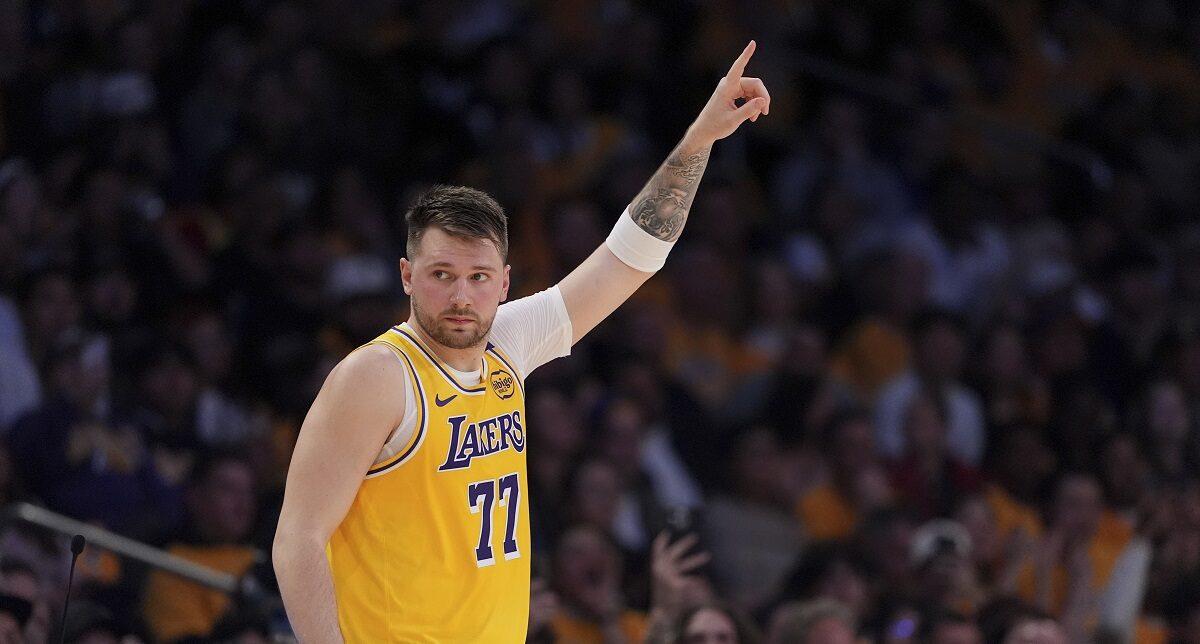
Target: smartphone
<point>683,521</point>
<point>679,522</point>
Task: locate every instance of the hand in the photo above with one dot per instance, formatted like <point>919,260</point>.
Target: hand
<point>670,567</point>
<point>721,116</point>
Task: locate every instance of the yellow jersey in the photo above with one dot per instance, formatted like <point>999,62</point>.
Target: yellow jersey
<point>435,546</point>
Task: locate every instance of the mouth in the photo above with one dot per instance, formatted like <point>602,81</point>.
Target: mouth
<point>459,321</point>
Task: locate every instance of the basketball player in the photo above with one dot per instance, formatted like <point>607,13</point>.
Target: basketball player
<point>405,516</point>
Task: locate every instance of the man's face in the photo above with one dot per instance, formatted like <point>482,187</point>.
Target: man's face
<point>597,493</point>
<point>455,286</point>
<point>225,502</point>
<point>587,568</point>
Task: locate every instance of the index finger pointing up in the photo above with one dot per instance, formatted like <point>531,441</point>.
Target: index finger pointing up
<point>739,65</point>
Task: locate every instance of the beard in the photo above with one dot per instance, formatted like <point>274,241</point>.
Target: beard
<point>439,330</point>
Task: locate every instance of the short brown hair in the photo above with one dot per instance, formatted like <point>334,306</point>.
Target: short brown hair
<point>796,619</point>
<point>461,212</point>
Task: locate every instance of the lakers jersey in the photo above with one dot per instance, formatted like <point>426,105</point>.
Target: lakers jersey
<point>435,547</point>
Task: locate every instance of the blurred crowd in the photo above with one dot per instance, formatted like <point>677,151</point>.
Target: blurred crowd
<point>925,366</point>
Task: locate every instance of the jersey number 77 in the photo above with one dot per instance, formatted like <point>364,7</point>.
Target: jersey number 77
<point>481,497</point>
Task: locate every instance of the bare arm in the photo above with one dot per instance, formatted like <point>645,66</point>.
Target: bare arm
<point>670,584</point>
<point>602,282</point>
<point>345,429</point>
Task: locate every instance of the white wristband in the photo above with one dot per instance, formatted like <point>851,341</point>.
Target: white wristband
<point>636,247</point>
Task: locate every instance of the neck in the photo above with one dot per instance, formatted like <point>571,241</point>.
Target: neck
<point>469,359</point>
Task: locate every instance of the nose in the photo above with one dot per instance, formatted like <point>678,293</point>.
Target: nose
<point>458,294</point>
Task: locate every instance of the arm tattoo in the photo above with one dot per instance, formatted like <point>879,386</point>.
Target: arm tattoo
<point>662,207</point>
<point>688,169</point>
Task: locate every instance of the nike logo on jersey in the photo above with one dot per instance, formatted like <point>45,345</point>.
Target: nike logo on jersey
<point>437,400</point>
<point>475,440</point>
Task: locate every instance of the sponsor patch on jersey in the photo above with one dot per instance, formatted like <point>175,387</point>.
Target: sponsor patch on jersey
<point>503,383</point>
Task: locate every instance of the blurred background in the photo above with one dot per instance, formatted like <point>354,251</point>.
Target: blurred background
<point>925,366</point>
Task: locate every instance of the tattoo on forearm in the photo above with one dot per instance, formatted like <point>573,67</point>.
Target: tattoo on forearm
<point>688,169</point>
<point>662,207</point>
<point>662,214</point>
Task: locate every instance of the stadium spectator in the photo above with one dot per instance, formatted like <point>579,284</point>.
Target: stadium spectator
<point>928,476</point>
<point>751,531</point>
<point>221,512</point>
<point>937,368</point>
<point>715,623</point>
<point>830,570</point>
<point>856,482</point>
<point>82,458</point>
<point>587,578</point>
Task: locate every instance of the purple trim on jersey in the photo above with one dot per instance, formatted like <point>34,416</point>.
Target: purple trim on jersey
<point>438,364</point>
<point>420,428</point>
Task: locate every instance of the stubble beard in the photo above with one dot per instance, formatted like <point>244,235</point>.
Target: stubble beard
<point>439,331</point>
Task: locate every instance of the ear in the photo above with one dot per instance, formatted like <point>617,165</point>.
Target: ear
<point>507,277</point>
<point>406,275</point>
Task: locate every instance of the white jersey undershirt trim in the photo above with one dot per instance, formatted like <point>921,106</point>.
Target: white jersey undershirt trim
<point>531,331</point>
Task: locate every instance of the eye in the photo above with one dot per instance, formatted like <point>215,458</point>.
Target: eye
<point>480,277</point>
<point>440,275</point>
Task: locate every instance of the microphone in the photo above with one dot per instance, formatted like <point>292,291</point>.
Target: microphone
<point>77,544</point>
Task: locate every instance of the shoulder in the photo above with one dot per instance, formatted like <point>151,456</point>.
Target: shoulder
<point>368,373</point>
<point>372,360</point>
<point>357,404</point>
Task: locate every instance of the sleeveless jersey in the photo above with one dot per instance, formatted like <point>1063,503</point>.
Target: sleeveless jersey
<point>435,547</point>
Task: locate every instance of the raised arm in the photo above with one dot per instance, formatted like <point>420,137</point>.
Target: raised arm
<point>346,427</point>
<point>619,266</point>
